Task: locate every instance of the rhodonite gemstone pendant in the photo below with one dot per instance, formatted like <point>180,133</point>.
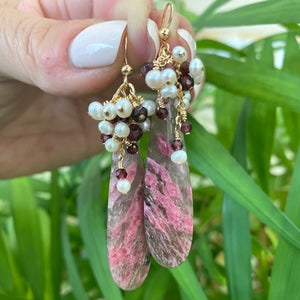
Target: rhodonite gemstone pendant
<point>168,208</point>
<point>128,253</point>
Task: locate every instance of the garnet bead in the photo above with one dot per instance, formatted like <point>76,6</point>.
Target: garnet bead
<point>186,81</point>
<point>105,137</point>
<point>139,114</point>
<point>177,145</point>
<point>185,67</point>
<point>121,174</point>
<point>114,120</point>
<point>133,148</point>
<point>162,113</point>
<point>136,132</point>
<point>124,120</point>
<point>170,66</point>
<point>146,68</point>
<point>186,127</point>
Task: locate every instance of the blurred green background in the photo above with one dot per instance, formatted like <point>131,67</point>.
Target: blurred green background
<point>245,176</point>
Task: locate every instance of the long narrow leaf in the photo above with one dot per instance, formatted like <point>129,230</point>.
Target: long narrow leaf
<point>286,271</point>
<point>236,226</point>
<point>91,223</point>
<point>73,275</point>
<point>208,156</point>
<point>28,234</point>
<point>187,281</point>
<point>270,12</point>
<point>268,85</point>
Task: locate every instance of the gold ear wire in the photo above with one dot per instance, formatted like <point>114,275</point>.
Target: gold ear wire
<point>127,70</point>
<point>166,21</point>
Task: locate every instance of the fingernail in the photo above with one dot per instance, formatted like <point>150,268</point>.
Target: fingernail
<point>190,41</point>
<point>153,34</point>
<point>97,45</point>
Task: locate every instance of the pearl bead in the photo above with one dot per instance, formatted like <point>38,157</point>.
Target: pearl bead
<point>123,108</point>
<point>123,186</point>
<point>196,67</point>
<point>198,79</point>
<point>169,92</point>
<point>150,106</point>
<point>96,110</point>
<point>146,125</point>
<point>169,76</point>
<point>106,127</point>
<point>180,54</point>
<point>154,80</point>
<point>109,111</point>
<point>179,157</point>
<point>187,96</point>
<point>112,145</point>
<point>122,130</point>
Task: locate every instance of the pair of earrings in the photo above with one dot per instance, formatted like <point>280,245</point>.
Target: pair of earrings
<point>151,213</point>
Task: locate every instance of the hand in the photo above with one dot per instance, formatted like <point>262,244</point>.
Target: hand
<point>46,84</point>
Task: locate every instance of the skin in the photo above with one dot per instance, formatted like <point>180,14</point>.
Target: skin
<point>43,99</point>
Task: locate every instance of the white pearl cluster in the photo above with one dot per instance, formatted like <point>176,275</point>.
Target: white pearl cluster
<point>163,80</point>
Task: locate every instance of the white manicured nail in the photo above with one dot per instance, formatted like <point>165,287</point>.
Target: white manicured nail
<point>97,45</point>
<point>153,33</point>
<point>190,41</point>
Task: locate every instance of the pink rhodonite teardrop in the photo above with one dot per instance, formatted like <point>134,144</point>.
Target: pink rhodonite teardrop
<point>168,209</point>
<point>128,253</point>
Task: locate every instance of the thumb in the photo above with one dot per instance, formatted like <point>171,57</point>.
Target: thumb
<point>66,58</point>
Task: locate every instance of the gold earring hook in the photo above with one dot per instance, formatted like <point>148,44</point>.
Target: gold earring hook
<point>126,69</point>
<point>168,10</point>
<point>166,19</point>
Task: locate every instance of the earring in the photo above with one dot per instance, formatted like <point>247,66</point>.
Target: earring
<point>168,208</point>
<point>122,120</point>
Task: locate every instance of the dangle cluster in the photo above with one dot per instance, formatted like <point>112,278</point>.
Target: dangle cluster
<point>173,77</point>
<point>123,119</point>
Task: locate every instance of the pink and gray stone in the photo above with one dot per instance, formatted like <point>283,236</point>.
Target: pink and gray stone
<point>128,253</point>
<point>168,209</point>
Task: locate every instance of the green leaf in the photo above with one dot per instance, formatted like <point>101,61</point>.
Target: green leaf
<point>236,226</point>
<point>261,115</point>
<point>265,84</point>
<point>286,271</point>
<point>6,275</point>
<point>208,260</point>
<point>56,218</point>
<point>28,232</point>
<point>91,223</point>
<point>157,286</point>
<point>266,12</point>
<point>187,281</point>
<point>73,275</point>
<point>292,65</point>
<point>208,156</point>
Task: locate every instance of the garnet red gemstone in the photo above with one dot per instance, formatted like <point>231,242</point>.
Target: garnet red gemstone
<point>124,120</point>
<point>184,67</point>
<point>162,113</point>
<point>176,145</point>
<point>121,174</point>
<point>146,68</point>
<point>186,127</point>
<point>133,148</point>
<point>105,137</point>
<point>136,132</point>
<point>170,66</point>
<point>115,120</point>
<point>186,81</point>
<point>139,114</point>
